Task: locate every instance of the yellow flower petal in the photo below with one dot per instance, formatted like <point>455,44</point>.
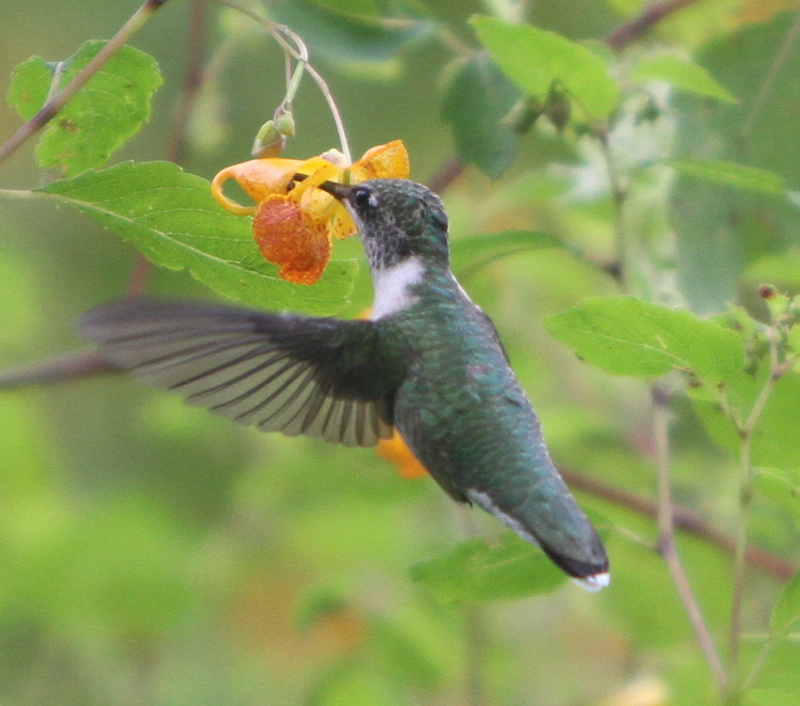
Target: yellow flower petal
<point>389,161</point>
<point>397,452</point>
<point>321,206</point>
<point>258,178</point>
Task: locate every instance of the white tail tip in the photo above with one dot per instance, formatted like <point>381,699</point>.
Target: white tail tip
<point>593,583</point>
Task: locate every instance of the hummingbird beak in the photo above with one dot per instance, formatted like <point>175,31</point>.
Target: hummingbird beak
<point>338,191</point>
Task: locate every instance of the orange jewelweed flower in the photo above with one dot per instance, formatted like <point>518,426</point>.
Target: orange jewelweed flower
<point>294,222</point>
<point>397,452</point>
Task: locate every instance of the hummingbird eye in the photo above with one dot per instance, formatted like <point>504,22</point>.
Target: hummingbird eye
<point>363,198</point>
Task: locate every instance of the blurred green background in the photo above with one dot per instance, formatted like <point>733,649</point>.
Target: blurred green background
<point>153,554</point>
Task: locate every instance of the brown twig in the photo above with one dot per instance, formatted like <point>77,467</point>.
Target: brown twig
<point>176,147</point>
<point>666,536</point>
<point>193,80</point>
<point>63,368</point>
<point>640,25</point>
<point>446,175</point>
<point>51,108</point>
<point>683,519</point>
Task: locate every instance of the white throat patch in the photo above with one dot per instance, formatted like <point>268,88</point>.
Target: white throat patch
<point>392,287</point>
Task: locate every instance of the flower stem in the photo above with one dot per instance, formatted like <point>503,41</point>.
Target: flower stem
<point>299,52</point>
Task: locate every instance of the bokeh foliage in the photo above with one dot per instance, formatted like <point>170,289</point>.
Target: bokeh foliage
<point>153,554</point>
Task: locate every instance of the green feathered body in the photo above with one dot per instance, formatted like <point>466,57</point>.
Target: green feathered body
<point>465,416</point>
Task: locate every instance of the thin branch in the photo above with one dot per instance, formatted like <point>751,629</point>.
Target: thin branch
<point>747,474</point>
<point>446,175</point>
<point>140,273</point>
<point>683,519</point>
<point>75,365</point>
<point>194,78</point>
<point>619,193</point>
<point>666,536</point>
<point>192,82</point>
<point>475,658</point>
<point>745,494</point>
<point>51,108</point>
<point>640,25</point>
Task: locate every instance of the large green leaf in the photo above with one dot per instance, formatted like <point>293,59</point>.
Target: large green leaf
<point>477,99</point>
<point>171,217</point>
<point>107,111</point>
<point>534,58</point>
<point>627,336</point>
<point>478,571</point>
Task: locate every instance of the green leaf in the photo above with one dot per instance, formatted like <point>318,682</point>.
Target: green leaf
<point>477,571</point>
<point>107,111</point>
<point>738,176</point>
<point>627,336</point>
<point>471,254</point>
<point>681,74</point>
<point>786,615</point>
<point>477,99</point>
<point>171,217</point>
<point>770,697</point>
<point>534,58</point>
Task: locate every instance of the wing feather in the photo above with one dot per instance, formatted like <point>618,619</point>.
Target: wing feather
<point>293,374</point>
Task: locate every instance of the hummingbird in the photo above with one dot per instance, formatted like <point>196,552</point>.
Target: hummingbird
<point>429,363</point>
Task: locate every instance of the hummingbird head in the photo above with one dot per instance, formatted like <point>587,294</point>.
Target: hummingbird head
<point>396,219</point>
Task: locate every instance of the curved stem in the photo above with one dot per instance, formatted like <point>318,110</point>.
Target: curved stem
<point>300,53</point>
<point>637,27</point>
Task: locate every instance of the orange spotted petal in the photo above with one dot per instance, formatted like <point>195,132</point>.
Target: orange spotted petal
<point>289,238</point>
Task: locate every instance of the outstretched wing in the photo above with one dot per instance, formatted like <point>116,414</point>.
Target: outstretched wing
<point>320,377</point>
